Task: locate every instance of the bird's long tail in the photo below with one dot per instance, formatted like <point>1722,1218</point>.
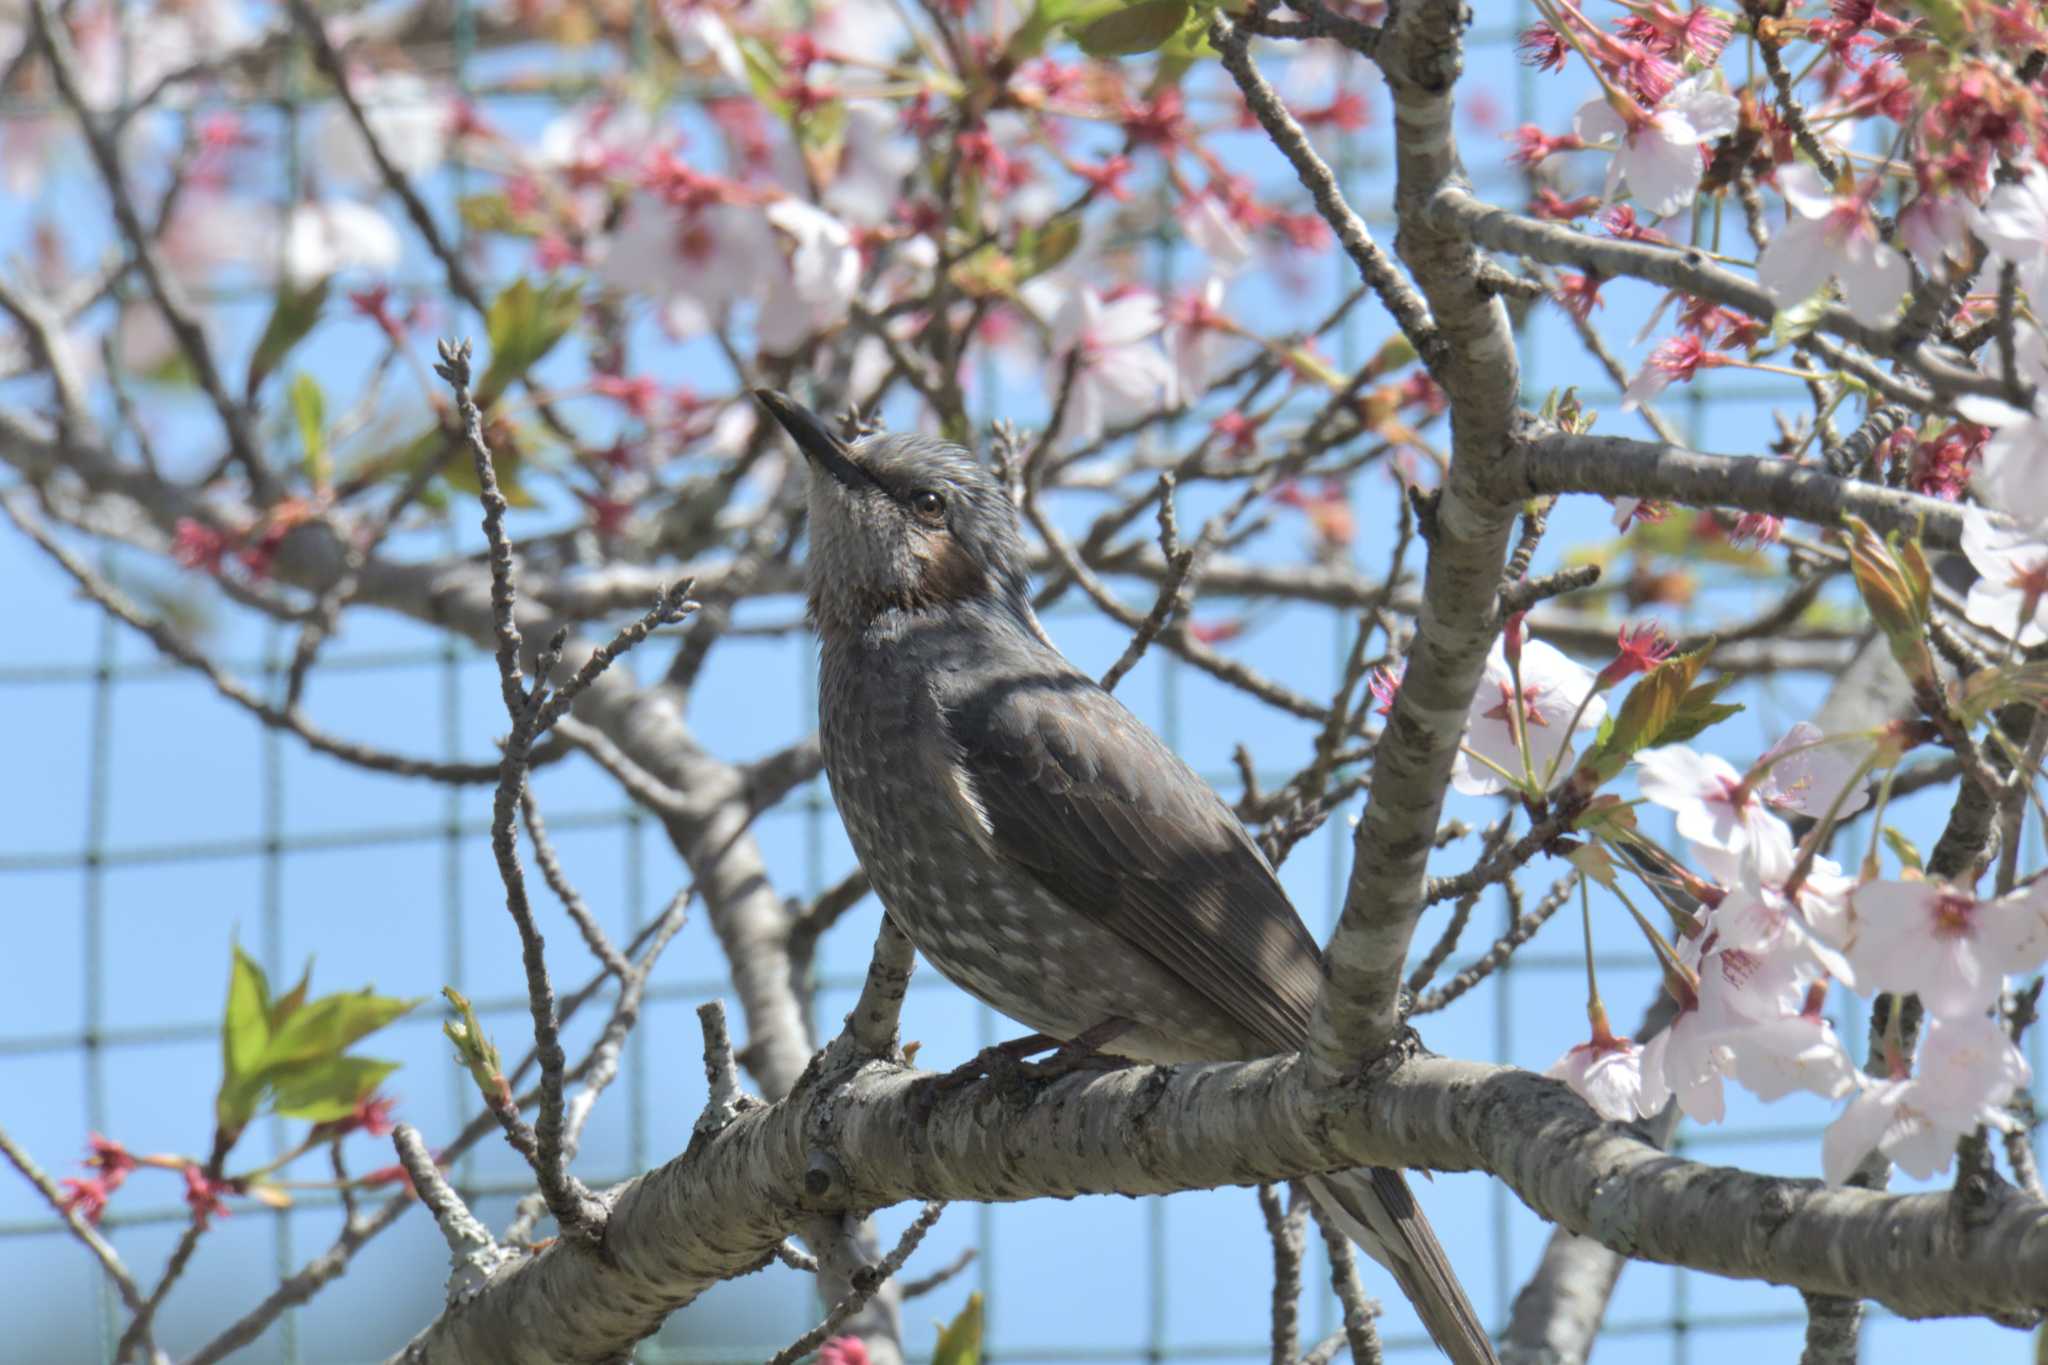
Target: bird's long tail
<point>1375,1209</point>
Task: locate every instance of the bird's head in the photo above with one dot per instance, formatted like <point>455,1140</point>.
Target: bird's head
<point>901,524</point>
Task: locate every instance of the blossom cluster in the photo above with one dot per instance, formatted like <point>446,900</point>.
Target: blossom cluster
<point>1775,927</point>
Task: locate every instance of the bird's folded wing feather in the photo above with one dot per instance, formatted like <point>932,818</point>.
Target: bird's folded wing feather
<point>1078,791</point>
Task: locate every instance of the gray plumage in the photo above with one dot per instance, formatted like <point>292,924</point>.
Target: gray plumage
<point>1041,846</point>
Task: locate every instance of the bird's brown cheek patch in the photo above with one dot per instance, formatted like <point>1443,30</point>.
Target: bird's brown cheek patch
<point>946,572</point>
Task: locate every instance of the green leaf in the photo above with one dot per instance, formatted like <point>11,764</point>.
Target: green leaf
<point>764,74</point>
<point>1698,711</point>
<point>330,1025</point>
<point>1042,246</point>
<point>473,1047</point>
<point>494,213</point>
<point>1902,848</point>
<point>296,313</point>
<point>1664,707</point>
<point>1791,323</point>
<point>523,324</point>
<point>1133,29</point>
<point>285,1005</point>
<point>309,409</point>
<point>960,1339</point>
<point>328,1089</point>
<point>244,1039</point>
<point>1948,21</point>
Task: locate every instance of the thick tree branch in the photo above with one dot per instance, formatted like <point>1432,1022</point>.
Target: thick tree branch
<point>1616,466</point>
<point>872,1136</point>
<point>1356,1014</point>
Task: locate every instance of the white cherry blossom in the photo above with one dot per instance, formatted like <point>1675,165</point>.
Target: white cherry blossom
<point>1831,234</point>
<point>2010,595</point>
<point>1553,687</point>
<point>327,236</point>
<point>2014,224</point>
<point>1966,1071</point>
<point>1607,1073</point>
<point>1210,227</point>
<point>816,289</point>
<point>1658,153</point>
<point>409,119</point>
<point>1803,774</point>
<point>2012,475</point>
<point>1119,372</point>
<point>1944,944</point>
<point>1793,1052</point>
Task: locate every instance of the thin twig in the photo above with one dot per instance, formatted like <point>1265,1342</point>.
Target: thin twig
<point>867,1282</point>
<point>1285,1229</point>
<point>579,1212</point>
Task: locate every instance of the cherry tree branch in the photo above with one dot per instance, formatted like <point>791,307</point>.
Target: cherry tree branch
<point>870,1134</point>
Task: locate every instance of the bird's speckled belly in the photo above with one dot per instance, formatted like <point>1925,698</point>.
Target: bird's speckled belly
<point>982,921</point>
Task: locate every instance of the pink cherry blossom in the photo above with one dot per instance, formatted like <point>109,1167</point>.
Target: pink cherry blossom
<point>1944,944</point>
<point>1118,374</point>
<point>1658,153</point>
<point>1713,806</point>
<point>1967,1069</point>
<point>1553,689</point>
<point>2010,595</point>
<point>1607,1073</point>
<point>1738,990</point>
<point>1830,234</point>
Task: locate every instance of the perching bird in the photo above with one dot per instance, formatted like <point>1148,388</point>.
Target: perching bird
<point>1044,849</point>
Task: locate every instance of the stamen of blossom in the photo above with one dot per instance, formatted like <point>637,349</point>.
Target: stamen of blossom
<point>1385,684</point>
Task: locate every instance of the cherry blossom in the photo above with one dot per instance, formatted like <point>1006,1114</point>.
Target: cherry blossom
<point>332,235</point>
<point>1776,1057</point>
<point>409,120</point>
<point>1943,944</point>
<point>1209,225</point>
<point>2008,477</point>
<point>1557,701</point>
<point>1196,332</point>
<point>1804,774</point>
<point>1607,1073</point>
<point>1117,373</point>
<point>817,288</point>
<point>1715,807</point>
<point>2010,595</point>
<point>1738,990</point>
<point>1757,908</point>
<point>697,258</point>
<point>1658,152</point>
<point>2014,224</point>
<point>1831,234</point>
<point>1967,1069</point>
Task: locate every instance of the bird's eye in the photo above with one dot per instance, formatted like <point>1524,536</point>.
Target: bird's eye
<point>929,505</point>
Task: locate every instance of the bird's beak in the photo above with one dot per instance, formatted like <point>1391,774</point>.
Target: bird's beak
<point>813,438</point>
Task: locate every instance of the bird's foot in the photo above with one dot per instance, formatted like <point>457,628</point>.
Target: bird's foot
<point>1002,1062</point>
<point>1082,1052</point>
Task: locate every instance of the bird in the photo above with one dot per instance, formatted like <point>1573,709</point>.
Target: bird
<point>1041,846</point>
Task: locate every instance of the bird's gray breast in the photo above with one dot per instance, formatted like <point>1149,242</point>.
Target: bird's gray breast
<point>986,923</point>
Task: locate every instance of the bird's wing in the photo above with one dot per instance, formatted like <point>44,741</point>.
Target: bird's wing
<point>1074,788</point>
